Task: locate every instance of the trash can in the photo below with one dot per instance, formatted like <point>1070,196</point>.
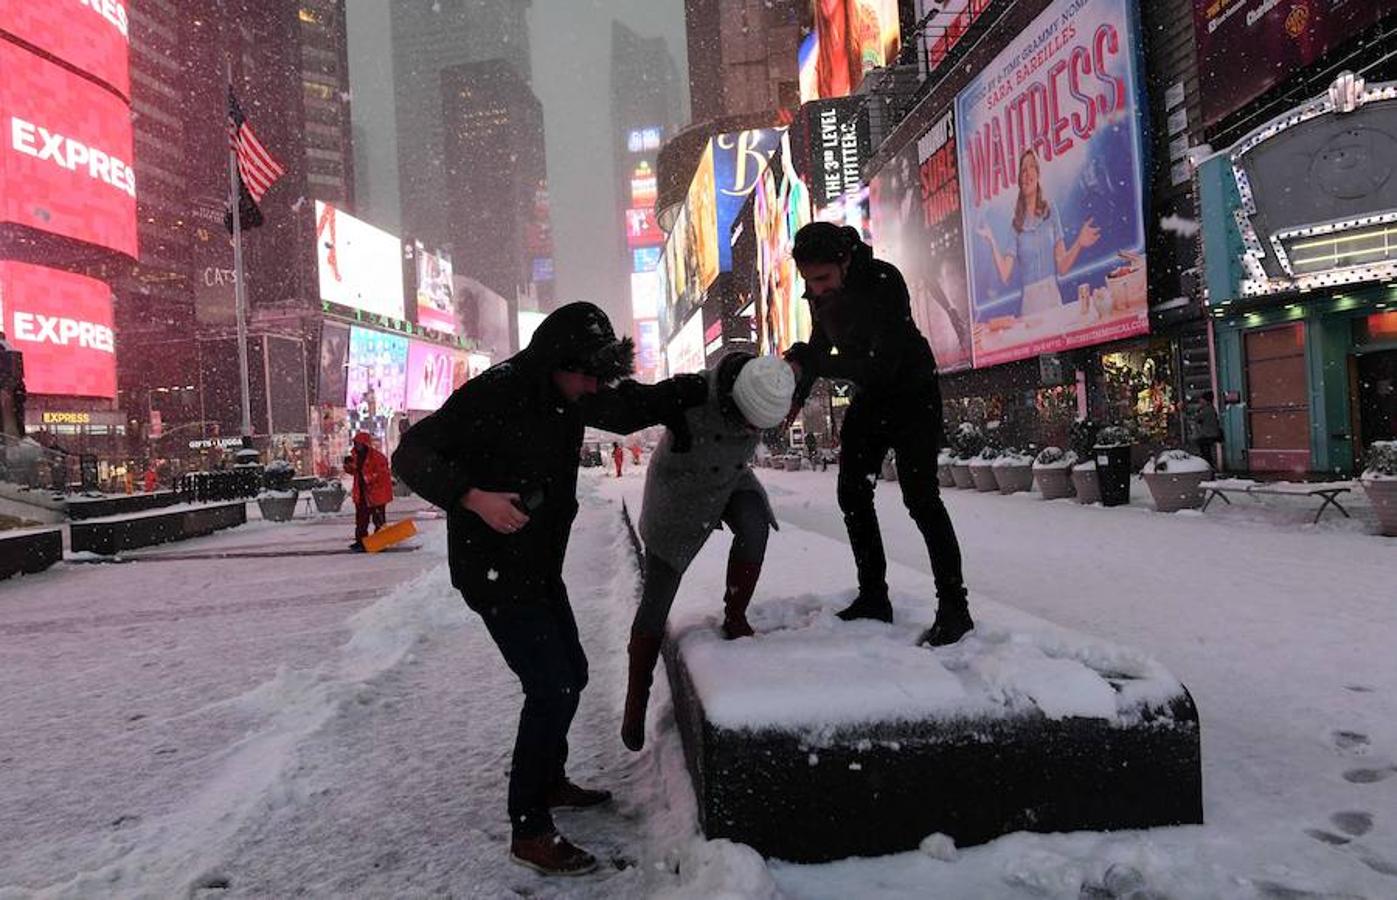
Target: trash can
<point>1113,473</point>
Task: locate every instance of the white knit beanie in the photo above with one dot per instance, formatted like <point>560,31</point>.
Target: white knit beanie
<point>763,391</point>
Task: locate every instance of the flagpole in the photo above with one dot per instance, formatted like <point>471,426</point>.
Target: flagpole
<point>239,290</point>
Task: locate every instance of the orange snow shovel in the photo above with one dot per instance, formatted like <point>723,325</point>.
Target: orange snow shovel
<point>389,535</point>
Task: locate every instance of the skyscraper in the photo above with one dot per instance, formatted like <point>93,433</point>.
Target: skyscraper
<point>645,109</point>
<point>742,55</point>
<point>428,37</point>
<point>497,210</point>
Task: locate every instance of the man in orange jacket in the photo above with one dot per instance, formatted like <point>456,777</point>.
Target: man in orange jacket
<point>373,487</point>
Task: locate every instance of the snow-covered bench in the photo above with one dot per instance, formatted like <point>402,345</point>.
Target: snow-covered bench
<point>1326,491</point>
<point>109,536</point>
<point>29,550</point>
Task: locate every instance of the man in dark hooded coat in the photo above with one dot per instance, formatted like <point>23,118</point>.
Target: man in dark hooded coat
<point>501,457</point>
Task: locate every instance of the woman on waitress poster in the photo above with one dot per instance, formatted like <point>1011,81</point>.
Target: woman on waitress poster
<point>1041,252</point>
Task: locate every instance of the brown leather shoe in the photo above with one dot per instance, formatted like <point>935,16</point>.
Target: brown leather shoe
<point>569,796</point>
<point>552,854</point>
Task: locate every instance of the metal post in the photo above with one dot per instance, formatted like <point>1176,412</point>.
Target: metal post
<point>239,291</point>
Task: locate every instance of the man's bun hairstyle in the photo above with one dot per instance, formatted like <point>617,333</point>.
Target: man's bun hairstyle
<point>825,242</point>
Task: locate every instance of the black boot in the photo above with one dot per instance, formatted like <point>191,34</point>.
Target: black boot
<point>952,623</point>
<point>868,606</point>
<point>644,652</point>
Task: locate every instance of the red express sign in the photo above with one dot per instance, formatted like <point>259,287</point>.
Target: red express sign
<point>90,35</point>
<point>65,154</point>
<point>62,323</point>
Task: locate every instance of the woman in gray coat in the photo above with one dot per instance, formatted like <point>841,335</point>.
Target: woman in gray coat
<point>701,475</point>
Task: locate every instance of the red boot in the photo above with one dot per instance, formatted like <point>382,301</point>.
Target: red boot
<point>742,584</point>
<point>644,651</point>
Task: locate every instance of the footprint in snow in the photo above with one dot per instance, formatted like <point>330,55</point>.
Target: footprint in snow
<point>1355,824</point>
<point>1358,688</point>
<point>1369,776</point>
<point>1327,837</point>
<point>1350,741</point>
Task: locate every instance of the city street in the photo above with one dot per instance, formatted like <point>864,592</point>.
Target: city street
<point>274,717</point>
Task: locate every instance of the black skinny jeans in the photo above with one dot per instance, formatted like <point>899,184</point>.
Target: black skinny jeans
<point>746,517</point>
<point>539,642</point>
<point>911,426</point>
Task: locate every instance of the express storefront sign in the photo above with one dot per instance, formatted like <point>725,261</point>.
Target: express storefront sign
<point>93,36</point>
<point>62,323</point>
<point>66,147</point>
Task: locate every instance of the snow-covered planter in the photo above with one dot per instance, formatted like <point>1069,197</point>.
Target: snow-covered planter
<point>1085,483</point>
<point>1053,471</point>
<point>1380,483</point>
<point>1013,472</point>
<point>982,470</point>
<point>278,506</point>
<point>944,476</point>
<point>967,442</point>
<point>1175,479</point>
<point>329,496</point>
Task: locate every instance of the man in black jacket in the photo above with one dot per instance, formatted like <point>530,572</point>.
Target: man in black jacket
<point>501,458</point>
<point>860,307</point>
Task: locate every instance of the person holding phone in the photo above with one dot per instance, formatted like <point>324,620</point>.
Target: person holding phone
<point>501,457</point>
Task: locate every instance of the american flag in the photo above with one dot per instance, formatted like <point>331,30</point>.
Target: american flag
<point>256,166</point>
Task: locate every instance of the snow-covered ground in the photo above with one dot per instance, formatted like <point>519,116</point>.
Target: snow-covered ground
<point>221,717</point>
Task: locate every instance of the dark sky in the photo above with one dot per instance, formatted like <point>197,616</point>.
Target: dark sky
<point>572,62</point>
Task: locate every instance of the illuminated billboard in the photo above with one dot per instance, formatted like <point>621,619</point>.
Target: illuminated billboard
<point>644,140</point>
<point>1053,202</point>
<point>641,228</point>
<point>852,37</point>
<point>949,22</point>
<point>781,208</point>
<point>90,35</point>
<point>65,154</point>
<point>646,259</point>
<point>647,350</point>
<point>476,363</point>
<point>646,295</point>
<point>684,352</point>
<point>529,320</point>
<point>839,148</point>
<point>436,308</point>
<point>429,375</point>
<point>739,158</point>
<point>645,186</point>
<point>702,233</point>
<point>360,266</point>
<point>377,379</point>
<point>62,323</point>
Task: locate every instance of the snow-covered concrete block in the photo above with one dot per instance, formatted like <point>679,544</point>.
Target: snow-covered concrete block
<point>820,739</point>
<point>29,551</point>
<point>112,535</point>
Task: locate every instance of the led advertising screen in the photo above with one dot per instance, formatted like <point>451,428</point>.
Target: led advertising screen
<point>333,384</point>
<point>702,234</point>
<point>781,208</point>
<point>476,363</point>
<point>739,158</point>
<point>644,140</point>
<point>62,323</point>
<point>852,37</point>
<point>360,265</point>
<point>436,307</point>
<point>647,349</point>
<point>641,228</point>
<point>949,22</point>
<point>915,208</point>
<point>90,35</point>
<point>529,320</point>
<point>646,259</point>
<point>65,154</point>
<point>1050,149</point>
<point>377,379</point>
<point>645,185</point>
<point>684,353</point>
<point>839,146</point>
<point>429,373</point>
<point>1247,46</point>
<point>646,295</point>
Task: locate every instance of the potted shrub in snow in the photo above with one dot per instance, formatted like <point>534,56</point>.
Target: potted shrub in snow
<point>1380,483</point>
<point>1084,480</point>
<point>1013,472</point>
<point>329,495</point>
<point>944,476</point>
<point>1053,470</point>
<point>968,441</point>
<point>982,470</point>
<point>1174,478</point>
<point>278,498</point>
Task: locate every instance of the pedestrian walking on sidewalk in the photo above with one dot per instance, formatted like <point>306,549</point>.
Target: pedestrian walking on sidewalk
<point>618,456</point>
<point>701,475</point>
<point>501,457</point>
<point>373,487</point>
<point>1207,428</point>
<point>860,307</point>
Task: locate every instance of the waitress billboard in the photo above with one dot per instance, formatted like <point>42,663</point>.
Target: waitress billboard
<point>1051,148</point>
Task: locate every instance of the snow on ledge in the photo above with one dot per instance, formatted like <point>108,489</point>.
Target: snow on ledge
<point>808,671</point>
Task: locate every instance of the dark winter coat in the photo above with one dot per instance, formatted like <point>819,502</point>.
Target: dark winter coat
<point>686,492</point>
<point>1206,426</point>
<point>870,323</point>
<point>510,430</point>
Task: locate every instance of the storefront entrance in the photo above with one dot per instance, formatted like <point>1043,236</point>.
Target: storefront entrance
<point>1278,404</point>
<point>1375,394</point>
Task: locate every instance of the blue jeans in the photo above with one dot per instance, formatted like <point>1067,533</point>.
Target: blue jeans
<point>539,643</point>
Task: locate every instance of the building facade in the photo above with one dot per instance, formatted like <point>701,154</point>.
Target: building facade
<point>742,55</point>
